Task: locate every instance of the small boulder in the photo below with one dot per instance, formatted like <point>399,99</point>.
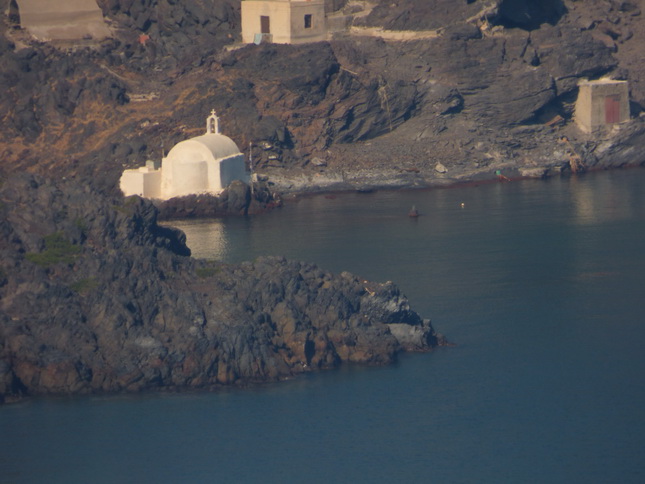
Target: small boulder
<point>439,168</point>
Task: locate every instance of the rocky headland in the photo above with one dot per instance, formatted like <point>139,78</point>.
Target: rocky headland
<point>96,297</point>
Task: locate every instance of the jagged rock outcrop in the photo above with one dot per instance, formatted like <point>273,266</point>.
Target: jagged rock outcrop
<point>416,15</point>
<point>96,297</point>
<point>237,199</point>
<point>316,101</point>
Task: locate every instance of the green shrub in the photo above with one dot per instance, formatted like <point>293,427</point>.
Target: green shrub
<point>208,271</point>
<point>57,249</point>
<point>84,285</point>
<point>80,223</point>
<point>127,208</point>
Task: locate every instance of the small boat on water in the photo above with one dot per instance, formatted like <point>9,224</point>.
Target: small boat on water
<point>413,212</point>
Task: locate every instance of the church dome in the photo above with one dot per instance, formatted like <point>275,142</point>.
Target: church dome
<point>210,146</point>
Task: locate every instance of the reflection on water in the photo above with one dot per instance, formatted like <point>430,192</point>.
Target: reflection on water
<point>607,199</point>
<point>456,225</point>
<point>206,238</point>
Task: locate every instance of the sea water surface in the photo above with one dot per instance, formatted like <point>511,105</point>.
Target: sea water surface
<point>541,285</point>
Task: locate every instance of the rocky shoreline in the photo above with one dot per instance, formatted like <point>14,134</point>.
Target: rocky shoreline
<point>538,152</point>
<point>549,155</point>
<point>95,297</point>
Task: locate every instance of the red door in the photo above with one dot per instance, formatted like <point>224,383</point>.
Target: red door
<point>612,109</point>
<point>265,25</point>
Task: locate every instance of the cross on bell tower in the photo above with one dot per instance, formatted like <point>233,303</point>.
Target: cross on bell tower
<point>212,123</point>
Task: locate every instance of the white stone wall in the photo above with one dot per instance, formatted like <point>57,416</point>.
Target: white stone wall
<point>318,29</point>
<point>152,184</point>
<point>143,182</point>
<point>62,19</point>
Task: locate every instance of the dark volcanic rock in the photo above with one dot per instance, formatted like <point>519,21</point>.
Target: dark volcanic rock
<point>96,297</point>
<point>236,199</point>
<point>419,15</point>
<point>43,87</point>
<point>178,33</point>
<point>312,100</point>
<point>530,14</point>
<point>433,14</point>
<point>584,56</point>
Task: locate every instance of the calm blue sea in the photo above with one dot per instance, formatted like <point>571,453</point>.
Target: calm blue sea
<point>541,284</point>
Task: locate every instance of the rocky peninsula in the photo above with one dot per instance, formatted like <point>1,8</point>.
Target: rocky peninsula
<point>96,297</point>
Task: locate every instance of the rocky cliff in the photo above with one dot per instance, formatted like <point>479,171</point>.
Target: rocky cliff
<point>96,297</point>
<point>472,87</point>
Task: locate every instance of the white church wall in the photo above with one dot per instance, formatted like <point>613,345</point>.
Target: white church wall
<point>214,177</point>
<point>232,169</point>
<point>152,184</point>
<point>184,170</point>
<point>142,181</point>
<point>188,178</point>
<point>131,183</point>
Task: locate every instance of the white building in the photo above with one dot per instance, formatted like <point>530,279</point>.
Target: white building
<point>283,21</point>
<point>204,164</point>
<point>60,19</point>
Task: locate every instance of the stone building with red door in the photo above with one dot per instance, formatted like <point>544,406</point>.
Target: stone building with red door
<point>601,103</point>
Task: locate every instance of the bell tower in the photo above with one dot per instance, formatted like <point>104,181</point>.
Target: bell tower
<point>212,123</point>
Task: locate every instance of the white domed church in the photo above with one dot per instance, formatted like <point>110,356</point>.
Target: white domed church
<point>204,164</point>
